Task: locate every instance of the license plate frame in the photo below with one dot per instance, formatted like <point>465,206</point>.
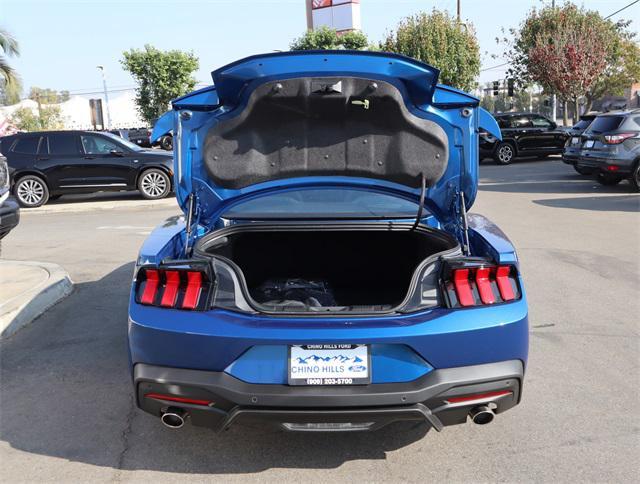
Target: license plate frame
<point>589,143</point>
<point>355,360</point>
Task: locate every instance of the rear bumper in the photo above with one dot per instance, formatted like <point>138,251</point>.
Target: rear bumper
<point>366,407</point>
<point>599,163</point>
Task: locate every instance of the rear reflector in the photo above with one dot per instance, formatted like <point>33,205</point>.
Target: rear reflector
<point>478,396</point>
<point>171,398</point>
<point>478,284</point>
<point>179,288</point>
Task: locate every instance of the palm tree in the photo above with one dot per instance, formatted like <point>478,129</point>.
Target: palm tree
<point>9,81</point>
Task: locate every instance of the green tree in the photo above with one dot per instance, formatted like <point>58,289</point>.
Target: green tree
<point>161,77</point>
<point>48,96</point>
<point>622,70</point>
<point>47,118</point>
<point>441,41</point>
<point>10,85</point>
<point>325,38</point>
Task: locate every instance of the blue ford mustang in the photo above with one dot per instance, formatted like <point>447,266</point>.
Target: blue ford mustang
<point>325,275</point>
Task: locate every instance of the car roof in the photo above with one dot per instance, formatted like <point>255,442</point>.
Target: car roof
<point>60,131</point>
<point>621,112</point>
<point>501,115</point>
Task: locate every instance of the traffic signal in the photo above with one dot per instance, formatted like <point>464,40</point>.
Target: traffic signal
<point>510,87</point>
<point>496,87</point>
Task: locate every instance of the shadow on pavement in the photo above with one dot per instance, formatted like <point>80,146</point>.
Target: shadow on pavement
<point>621,203</point>
<point>66,393</point>
<point>99,197</point>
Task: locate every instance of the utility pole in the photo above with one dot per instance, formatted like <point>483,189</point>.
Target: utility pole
<point>106,96</point>
<point>458,10</point>
<point>554,102</point>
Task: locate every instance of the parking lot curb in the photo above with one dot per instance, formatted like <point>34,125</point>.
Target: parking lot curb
<point>28,289</point>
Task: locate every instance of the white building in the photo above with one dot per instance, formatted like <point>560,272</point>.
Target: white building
<point>76,112</point>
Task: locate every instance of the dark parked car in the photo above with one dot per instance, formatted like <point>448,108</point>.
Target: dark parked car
<point>9,210</point>
<point>573,144</point>
<point>48,164</point>
<point>611,148</point>
<point>140,136</point>
<point>523,134</point>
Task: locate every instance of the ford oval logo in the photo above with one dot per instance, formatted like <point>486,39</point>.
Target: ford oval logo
<point>357,368</point>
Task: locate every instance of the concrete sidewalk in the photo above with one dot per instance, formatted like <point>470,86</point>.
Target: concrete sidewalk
<point>27,289</point>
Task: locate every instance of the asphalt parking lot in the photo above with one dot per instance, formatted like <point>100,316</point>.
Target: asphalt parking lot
<point>66,410</point>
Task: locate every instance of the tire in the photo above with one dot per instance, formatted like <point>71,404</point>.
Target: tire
<point>504,154</point>
<point>607,179</point>
<point>31,191</point>
<point>154,184</point>
<point>634,179</point>
<point>582,170</point>
<point>166,143</point>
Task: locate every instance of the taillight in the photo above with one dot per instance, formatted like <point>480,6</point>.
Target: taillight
<point>473,283</point>
<point>174,287</point>
<point>616,139</point>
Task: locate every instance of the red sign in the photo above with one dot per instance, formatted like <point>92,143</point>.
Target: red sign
<point>320,4</point>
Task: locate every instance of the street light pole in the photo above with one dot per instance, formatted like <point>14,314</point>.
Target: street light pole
<point>106,96</point>
<point>554,102</point>
<point>458,9</point>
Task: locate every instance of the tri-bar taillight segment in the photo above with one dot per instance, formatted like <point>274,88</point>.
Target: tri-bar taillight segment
<point>480,284</point>
<point>173,287</point>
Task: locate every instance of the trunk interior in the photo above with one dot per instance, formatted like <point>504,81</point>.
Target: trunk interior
<point>297,270</point>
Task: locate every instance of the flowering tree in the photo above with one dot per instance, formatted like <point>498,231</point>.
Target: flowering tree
<point>564,49</point>
<point>568,61</point>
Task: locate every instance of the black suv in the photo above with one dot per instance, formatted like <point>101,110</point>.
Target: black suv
<point>610,148</point>
<point>48,164</point>
<point>523,134</point>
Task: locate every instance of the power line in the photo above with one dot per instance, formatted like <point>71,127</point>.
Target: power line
<point>499,65</point>
<point>623,8</point>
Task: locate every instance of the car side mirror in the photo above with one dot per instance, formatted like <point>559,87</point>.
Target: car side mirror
<point>116,153</point>
<point>553,125</point>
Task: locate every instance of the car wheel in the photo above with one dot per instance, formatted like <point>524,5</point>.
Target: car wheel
<point>166,143</point>
<point>607,179</point>
<point>582,170</point>
<point>31,191</point>
<point>154,184</point>
<point>504,154</point>
<point>635,178</point>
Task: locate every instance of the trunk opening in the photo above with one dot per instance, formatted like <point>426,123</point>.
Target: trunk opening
<point>289,270</point>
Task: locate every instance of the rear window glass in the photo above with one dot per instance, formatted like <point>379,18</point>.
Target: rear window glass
<point>27,146</point>
<point>582,124</point>
<point>63,144</point>
<point>326,203</point>
<point>602,124</point>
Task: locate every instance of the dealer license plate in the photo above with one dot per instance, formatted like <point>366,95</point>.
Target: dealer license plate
<point>329,364</point>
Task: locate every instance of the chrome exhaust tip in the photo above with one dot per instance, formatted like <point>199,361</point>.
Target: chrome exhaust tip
<point>174,417</point>
<point>481,415</point>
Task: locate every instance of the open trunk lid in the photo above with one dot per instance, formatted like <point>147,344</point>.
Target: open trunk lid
<point>367,120</point>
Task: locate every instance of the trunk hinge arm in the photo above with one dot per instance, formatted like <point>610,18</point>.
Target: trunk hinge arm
<point>423,190</point>
<point>193,217</point>
<point>465,225</point>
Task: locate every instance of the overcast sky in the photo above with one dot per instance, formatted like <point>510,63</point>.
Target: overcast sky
<point>63,41</point>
